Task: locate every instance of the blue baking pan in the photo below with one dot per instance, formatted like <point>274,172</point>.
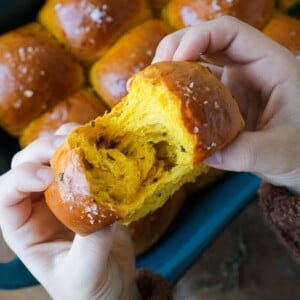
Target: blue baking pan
<point>200,221</point>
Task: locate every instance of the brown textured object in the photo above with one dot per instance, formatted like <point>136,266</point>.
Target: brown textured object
<point>130,161</point>
<point>183,13</point>
<point>281,209</point>
<point>80,107</point>
<point>146,231</point>
<point>153,286</point>
<point>35,73</point>
<point>285,30</point>
<point>88,28</point>
<point>132,53</point>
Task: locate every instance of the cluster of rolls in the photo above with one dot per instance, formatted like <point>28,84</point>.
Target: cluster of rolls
<point>73,62</point>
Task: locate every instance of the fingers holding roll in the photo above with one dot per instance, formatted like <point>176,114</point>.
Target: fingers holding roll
<point>16,186</point>
<point>168,46</point>
<point>39,151</point>
<point>266,153</point>
<point>42,149</point>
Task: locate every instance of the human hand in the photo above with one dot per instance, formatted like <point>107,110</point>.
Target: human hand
<point>98,266</point>
<point>264,78</point>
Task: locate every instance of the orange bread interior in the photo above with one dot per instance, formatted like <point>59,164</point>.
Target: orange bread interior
<point>134,158</point>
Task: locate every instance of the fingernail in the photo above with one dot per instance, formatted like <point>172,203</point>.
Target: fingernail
<point>59,140</point>
<point>45,175</point>
<point>215,159</point>
<point>128,83</point>
<point>154,60</point>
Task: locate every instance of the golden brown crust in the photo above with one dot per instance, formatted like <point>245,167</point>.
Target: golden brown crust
<point>69,195</point>
<point>146,231</point>
<point>182,13</point>
<point>80,107</point>
<point>132,53</point>
<point>211,126</point>
<point>35,73</point>
<point>285,30</point>
<point>87,28</point>
<point>205,105</point>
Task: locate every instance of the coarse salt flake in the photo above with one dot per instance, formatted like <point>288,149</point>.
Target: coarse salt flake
<point>57,6</point>
<point>28,93</point>
<point>97,14</point>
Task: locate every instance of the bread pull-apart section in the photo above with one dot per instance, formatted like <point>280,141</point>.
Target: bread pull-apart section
<point>88,28</point>
<point>35,73</point>
<point>81,107</point>
<point>130,161</point>
<point>131,53</point>
<point>183,13</point>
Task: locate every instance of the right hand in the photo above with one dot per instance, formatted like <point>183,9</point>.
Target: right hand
<point>264,78</point>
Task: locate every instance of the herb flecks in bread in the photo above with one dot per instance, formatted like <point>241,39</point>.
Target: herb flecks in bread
<point>130,161</point>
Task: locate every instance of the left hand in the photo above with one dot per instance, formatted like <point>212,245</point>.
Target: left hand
<point>98,266</point>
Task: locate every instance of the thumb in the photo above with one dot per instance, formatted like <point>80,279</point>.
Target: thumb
<point>273,152</point>
<point>89,254</point>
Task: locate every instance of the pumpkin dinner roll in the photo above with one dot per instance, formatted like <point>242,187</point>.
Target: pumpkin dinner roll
<point>35,73</point>
<point>127,163</point>
<point>88,28</point>
<point>131,53</point>
<point>80,107</point>
<point>285,30</point>
<point>183,13</point>
<point>146,231</point>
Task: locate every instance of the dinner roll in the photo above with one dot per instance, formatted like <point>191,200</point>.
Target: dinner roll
<point>35,73</point>
<point>88,28</point>
<point>127,163</point>
<point>149,229</point>
<point>81,107</point>
<point>285,30</point>
<point>132,53</point>
<point>183,13</point>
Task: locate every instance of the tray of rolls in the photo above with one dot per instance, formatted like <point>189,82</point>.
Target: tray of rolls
<point>69,61</point>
